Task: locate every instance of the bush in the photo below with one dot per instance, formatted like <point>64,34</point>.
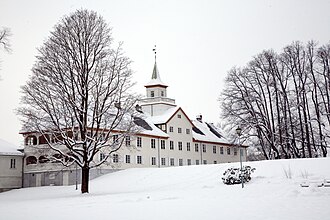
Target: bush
<point>233,175</point>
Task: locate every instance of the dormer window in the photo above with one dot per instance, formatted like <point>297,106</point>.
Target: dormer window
<point>152,94</point>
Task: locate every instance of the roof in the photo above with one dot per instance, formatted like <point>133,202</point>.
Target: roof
<point>7,148</point>
<point>155,78</point>
<point>147,127</point>
<point>207,132</point>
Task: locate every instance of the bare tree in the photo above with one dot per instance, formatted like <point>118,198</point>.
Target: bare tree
<point>78,95</point>
<point>5,33</point>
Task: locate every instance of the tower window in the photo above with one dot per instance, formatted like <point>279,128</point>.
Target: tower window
<point>162,93</point>
<point>152,94</point>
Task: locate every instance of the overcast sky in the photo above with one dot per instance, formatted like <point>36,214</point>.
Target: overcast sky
<point>197,42</point>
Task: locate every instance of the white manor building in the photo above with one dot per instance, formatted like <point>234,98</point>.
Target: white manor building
<point>168,138</point>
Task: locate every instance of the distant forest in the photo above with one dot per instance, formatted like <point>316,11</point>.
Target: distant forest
<point>282,101</point>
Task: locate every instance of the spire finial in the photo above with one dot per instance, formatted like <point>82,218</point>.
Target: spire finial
<point>154,50</point>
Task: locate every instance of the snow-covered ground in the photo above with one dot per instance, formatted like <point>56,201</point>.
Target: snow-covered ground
<point>179,193</point>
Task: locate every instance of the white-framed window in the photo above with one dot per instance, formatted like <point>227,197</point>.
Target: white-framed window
<point>171,145</point>
<point>228,150</point>
<point>128,141</point>
<point>139,159</point>
<point>153,143</point>
<point>171,129</point>
<point>102,156</point>
<point>12,163</point>
<point>180,162</point>
<point>152,93</point>
<point>128,159</point>
<point>139,142</point>
<point>188,146</point>
<point>204,161</point>
<point>179,116</point>
<point>214,149</point>
<point>188,162</point>
<point>196,147</point>
<point>221,150</point>
<point>215,162</point>
<point>180,145</point>
<point>115,158</point>
<point>163,161</point>
<point>115,138</point>
<point>162,144</point>
<point>204,148</point>
<point>197,162</point>
<point>179,130</point>
<point>171,161</point>
<point>235,151</point>
<point>153,161</point>
<point>187,131</point>
<point>162,93</point>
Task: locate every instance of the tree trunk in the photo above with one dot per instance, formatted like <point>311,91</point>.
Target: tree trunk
<point>84,179</point>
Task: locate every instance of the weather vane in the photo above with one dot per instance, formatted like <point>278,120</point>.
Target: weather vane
<point>154,50</point>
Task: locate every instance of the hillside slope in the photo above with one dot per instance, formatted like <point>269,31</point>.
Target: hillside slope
<point>190,192</point>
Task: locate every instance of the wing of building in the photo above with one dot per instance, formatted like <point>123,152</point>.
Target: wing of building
<point>167,137</point>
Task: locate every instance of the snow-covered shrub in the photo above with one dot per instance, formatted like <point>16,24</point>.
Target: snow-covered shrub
<point>233,175</point>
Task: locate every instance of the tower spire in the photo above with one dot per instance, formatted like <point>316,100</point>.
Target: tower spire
<point>154,50</point>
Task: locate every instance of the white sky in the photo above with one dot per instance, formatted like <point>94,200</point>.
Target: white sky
<point>197,42</point>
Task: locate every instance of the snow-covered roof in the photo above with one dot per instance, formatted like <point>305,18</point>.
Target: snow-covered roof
<point>155,78</point>
<point>8,149</point>
<point>147,127</point>
<point>163,118</point>
<point>207,132</point>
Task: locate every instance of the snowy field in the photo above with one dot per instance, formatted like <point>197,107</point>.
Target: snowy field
<point>179,193</point>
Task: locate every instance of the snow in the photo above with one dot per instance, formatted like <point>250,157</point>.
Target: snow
<point>8,148</point>
<point>163,118</point>
<point>189,192</point>
<point>208,135</point>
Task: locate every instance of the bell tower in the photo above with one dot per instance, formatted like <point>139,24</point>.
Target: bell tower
<point>156,101</point>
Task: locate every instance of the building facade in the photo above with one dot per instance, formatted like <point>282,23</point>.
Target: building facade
<point>168,138</point>
<point>11,164</point>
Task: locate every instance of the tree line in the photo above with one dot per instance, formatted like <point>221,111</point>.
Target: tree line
<point>282,101</point>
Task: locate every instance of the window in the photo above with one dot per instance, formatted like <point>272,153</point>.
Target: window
<point>197,162</point>
<point>31,160</point>
<point>162,93</point>
<point>171,129</point>
<point>228,150</point>
<point>115,158</point>
<point>171,161</point>
<point>204,148</point>
<point>139,159</point>
<point>221,150</point>
<point>235,151</point>
<point>188,162</point>
<point>128,141</point>
<point>171,145</point>
<point>128,159</point>
<point>180,162</point>
<point>12,163</point>
<point>196,147</point>
<point>188,146</point>
<point>179,116</point>
<point>139,142</point>
<point>115,138</point>
<point>215,162</point>
<point>204,161</point>
<point>162,144</point>
<point>152,94</point>
<point>179,130</point>
<point>153,143</point>
<point>214,149</point>
<point>180,145</point>
<point>153,161</point>
<point>187,131</point>
<point>102,156</point>
<point>163,161</point>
